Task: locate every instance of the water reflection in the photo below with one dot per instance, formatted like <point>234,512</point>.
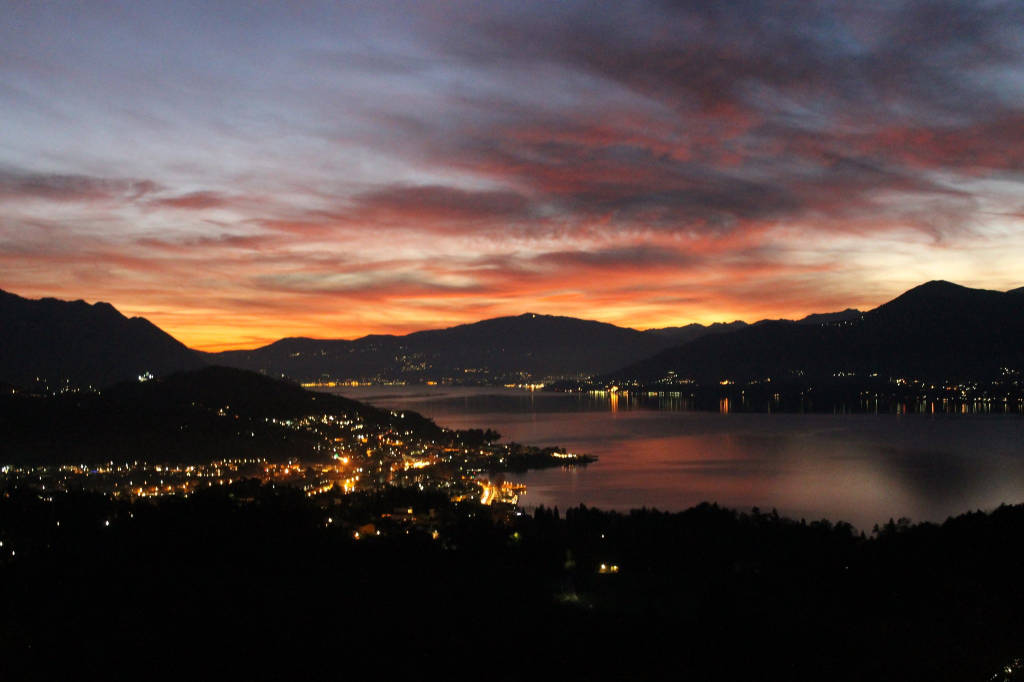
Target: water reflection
<point>924,462</point>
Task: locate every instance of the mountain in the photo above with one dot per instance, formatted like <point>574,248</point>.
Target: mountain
<point>693,331</point>
<point>196,416</point>
<point>524,348</point>
<point>73,343</point>
<point>938,330</point>
<point>842,317</point>
<point>244,393</point>
<point>504,349</point>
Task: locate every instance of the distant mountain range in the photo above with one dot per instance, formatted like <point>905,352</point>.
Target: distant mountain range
<point>525,348</point>
<point>938,330</point>
<point>51,342</point>
<point>506,349</point>
<point>679,335</point>
<point>48,344</point>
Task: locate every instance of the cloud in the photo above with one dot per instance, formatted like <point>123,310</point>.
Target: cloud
<point>21,184</point>
<point>205,243</point>
<point>375,284</point>
<point>193,201</point>
<point>386,167</point>
<point>639,257</point>
<point>437,203</point>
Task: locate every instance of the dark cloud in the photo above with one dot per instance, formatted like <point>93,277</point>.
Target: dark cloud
<point>229,241</point>
<point>193,201</point>
<point>440,203</point>
<point>769,110</point>
<point>635,186</point>
<point>713,57</point>
<point>639,256</point>
<point>15,184</point>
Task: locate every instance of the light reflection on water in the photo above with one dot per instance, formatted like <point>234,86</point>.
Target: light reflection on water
<point>860,468</point>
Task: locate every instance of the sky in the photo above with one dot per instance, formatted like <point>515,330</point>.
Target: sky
<point>240,172</point>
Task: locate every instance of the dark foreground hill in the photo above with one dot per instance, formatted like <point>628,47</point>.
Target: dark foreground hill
<point>198,416</point>
<point>48,343</point>
<point>251,582</point>
<point>938,331</point>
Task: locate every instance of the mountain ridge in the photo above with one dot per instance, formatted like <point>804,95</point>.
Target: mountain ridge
<point>56,343</point>
<point>938,330</point>
<point>503,349</point>
<point>607,347</point>
<point>68,343</point>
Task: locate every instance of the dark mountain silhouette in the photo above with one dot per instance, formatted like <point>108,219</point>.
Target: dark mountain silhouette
<point>241,392</point>
<point>501,349</point>
<point>694,331</point>
<point>689,332</point>
<point>200,415</point>
<point>71,342</point>
<point>938,330</point>
<point>843,316</point>
<point>504,349</point>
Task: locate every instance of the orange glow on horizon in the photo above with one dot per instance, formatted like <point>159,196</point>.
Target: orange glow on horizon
<point>441,174</point>
<point>213,338</point>
<point>212,328</point>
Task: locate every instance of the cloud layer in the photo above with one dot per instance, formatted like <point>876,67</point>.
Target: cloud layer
<point>238,174</point>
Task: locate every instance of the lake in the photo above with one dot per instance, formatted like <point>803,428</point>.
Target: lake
<point>859,468</point>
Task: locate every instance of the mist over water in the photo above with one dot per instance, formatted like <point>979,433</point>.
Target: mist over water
<point>859,468</point>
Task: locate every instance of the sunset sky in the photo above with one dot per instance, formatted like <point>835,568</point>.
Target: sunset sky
<point>239,172</point>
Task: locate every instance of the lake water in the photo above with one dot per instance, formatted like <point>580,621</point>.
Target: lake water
<point>859,468</point>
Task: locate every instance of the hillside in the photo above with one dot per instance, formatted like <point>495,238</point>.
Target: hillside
<point>525,348</point>
<point>48,343</point>
<point>197,416</point>
<point>689,332</point>
<point>505,349</point>
<point>938,330</point>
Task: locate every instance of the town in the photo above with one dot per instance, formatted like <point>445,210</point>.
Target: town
<point>349,455</point>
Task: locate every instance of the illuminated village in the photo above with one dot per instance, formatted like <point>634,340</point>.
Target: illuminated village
<point>350,456</point>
